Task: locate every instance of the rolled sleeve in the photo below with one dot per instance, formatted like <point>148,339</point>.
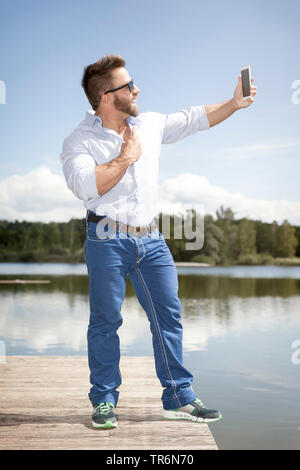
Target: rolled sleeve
<point>184,123</point>
<point>79,170</point>
<point>83,183</point>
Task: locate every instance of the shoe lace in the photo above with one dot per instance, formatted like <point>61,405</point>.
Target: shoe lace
<point>199,402</point>
<point>104,407</point>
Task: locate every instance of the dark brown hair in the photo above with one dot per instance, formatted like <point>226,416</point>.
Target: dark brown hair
<point>97,77</point>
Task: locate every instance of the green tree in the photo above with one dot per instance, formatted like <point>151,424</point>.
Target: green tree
<point>53,237</point>
<point>246,238</point>
<point>36,236</point>
<point>264,237</point>
<point>228,248</point>
<point>213,239</point>
<point>286,241</point>
<point>225,214</point>
<point>297,235</point>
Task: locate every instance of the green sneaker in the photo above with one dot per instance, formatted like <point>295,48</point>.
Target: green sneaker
<point>194,411</point>
<point>104,416</point>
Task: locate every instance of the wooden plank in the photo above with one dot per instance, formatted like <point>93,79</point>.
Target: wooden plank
<point>44,405</point>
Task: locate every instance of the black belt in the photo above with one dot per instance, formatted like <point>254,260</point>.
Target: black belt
<point>123,227</point>
<point>95,218</point>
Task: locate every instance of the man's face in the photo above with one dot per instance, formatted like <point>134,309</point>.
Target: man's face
<point>124,100</point>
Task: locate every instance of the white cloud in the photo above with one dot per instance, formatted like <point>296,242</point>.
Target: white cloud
<point>262,147</point>
<point>195,189</point>
<point>42,195</point>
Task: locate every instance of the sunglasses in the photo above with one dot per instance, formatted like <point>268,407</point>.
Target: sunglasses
<point>129,84</point>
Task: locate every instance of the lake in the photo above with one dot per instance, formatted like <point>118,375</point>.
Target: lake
<point>241,338</point>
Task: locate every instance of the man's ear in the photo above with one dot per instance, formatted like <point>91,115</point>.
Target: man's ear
<point>105,99</point>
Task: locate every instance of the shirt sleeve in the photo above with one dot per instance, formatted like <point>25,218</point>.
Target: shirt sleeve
<point>184,123</point>
<point>79,169</point>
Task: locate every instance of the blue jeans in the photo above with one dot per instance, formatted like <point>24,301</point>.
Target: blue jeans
<point>147,261</point>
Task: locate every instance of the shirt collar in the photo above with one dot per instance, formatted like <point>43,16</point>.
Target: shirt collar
<point>92,119</point>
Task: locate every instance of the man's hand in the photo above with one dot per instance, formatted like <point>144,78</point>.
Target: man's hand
<point>217,113</point>
<point>109,174</point>
<point>238,95</point>
<point>131,149</point>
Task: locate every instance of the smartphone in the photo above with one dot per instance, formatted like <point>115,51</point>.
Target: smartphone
<point>246,81</point>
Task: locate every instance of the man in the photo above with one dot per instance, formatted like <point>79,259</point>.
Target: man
<point>110,161</point>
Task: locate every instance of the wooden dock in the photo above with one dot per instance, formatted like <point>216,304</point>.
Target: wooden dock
<point>44,405</point>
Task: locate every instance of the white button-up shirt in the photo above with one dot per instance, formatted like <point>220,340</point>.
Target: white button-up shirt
<point>133,200</point>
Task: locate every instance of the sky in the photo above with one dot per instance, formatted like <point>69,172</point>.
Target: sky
<point>180,54</point>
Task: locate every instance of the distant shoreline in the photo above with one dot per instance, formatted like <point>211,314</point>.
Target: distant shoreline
<point>294,261</point>
<point>190,264</point>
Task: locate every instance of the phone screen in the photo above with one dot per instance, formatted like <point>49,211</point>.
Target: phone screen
<point>246,82</point>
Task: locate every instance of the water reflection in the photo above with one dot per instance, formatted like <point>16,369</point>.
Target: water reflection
<point>223,287</point>
<point>190,286</point>
<point>52,318</point>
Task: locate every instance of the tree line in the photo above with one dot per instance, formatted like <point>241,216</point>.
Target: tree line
<point>226,241</point>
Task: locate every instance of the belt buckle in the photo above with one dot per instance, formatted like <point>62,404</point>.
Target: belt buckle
<point>134,230</point>
<point>144,230</point>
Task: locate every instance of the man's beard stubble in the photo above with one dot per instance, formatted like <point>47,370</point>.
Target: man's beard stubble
<point>126,107</point>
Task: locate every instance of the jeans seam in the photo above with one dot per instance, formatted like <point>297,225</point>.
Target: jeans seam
<point>144,252</point>
<point>137,251</point>
<point>138,258</point>
<point>175,396</point>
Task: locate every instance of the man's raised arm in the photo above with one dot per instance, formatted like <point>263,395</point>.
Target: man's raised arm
<point>187,122</point>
